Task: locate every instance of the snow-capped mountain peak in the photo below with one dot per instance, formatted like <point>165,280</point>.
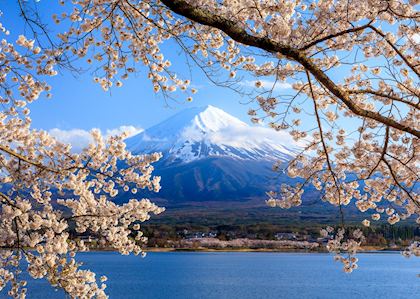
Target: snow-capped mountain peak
<point>198,133</point>
<point>212,119</point>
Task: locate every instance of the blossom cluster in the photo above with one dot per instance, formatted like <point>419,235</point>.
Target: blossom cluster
<point>50,189</point>
<point>413,249</point>
<point>344,244</point>
<point>51,196</point>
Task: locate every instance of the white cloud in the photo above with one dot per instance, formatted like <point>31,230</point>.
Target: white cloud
<point>253,137</point>
<point>268,84</point>
<point>79,138</point>
<point>129,130</point>
<point>76,137</point>
<point>242,136</point>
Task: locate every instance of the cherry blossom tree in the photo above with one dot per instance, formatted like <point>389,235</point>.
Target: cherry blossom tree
<point>46,189</point>
<point>353,68</point>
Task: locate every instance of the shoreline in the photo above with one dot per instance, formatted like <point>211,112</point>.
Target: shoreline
<point>286,250</point>
<point>370,250</point>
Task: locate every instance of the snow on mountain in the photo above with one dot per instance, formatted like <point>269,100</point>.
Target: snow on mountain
<point>198,133</point>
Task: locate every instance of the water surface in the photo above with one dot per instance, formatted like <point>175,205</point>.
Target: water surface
<point>247,275</point>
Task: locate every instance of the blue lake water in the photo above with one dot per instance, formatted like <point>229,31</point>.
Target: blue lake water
<point>247,275</point>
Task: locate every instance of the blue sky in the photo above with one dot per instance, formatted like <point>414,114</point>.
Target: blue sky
<point>80,103</point>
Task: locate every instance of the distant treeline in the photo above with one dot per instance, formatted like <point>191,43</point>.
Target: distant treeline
<point>380,235</point>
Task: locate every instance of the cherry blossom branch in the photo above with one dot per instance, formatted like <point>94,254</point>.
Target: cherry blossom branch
<point>385,146</point>
<point>324,146</point>
<point>410,65</point>
<point>385,96</point>
<point>25,159</point>
<point>239,34</point>
<point>331,36</point>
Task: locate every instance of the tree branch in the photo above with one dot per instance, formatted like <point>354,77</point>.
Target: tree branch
<point>325,38</point>
<point>380,33</point>
<point>385,96</point>
<point>239,34</point>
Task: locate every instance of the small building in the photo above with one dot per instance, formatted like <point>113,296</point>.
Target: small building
<point>285,236</point>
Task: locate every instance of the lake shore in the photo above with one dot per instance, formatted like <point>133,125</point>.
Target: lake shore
<point>368,249</point>
<point>245,245</point>
<point>249,245</point>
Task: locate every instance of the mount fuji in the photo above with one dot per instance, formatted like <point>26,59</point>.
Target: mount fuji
<point>198,133</point>
<point>209,155</point>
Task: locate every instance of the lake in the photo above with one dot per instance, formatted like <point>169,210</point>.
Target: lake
<point>247,275</point>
